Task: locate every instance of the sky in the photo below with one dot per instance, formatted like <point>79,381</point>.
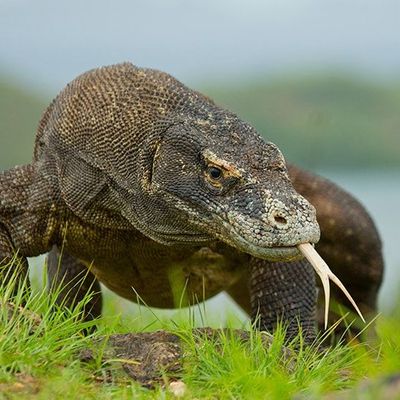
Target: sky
<point>46,43</point>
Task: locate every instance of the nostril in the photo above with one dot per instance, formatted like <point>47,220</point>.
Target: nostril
<point>280,220</point>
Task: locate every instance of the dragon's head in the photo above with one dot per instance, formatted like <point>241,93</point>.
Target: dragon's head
<point>221,180</point>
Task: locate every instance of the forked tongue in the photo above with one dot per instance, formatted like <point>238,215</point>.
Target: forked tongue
<point>324,272</point>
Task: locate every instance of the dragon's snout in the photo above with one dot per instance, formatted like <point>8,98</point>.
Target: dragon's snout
<point>274,225</point>
<point>289,217</point>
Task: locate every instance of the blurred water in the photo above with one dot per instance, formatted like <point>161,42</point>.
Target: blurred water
<point>379,191</point>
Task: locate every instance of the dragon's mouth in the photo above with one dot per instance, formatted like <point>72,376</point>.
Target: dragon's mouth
<point>277,253</point>
<point>269,253</point>
<point>280,253</point>
<point>273,253</point>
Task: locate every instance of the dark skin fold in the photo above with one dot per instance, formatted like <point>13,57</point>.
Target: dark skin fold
<point>151,188</point>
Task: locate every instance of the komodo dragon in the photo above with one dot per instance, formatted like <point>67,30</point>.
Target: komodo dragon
<point>141,180</point>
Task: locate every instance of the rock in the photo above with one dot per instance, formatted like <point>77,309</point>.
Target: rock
<point>177,388</point>
<point>144,357</point>
<point>156,357</point>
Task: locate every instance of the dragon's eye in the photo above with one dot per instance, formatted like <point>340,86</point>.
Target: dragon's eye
<point>214,173</point>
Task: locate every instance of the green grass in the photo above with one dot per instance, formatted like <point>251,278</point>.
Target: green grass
<point>38,358</point>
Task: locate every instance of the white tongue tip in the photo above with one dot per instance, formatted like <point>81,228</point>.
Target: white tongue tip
<point>324,272</point>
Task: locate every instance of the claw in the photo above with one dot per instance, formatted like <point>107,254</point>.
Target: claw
<point>324,272</point>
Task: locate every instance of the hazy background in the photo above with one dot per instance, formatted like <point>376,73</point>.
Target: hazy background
<point>320,79</point>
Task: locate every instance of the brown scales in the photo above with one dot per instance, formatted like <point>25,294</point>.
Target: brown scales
<point>124,177</point>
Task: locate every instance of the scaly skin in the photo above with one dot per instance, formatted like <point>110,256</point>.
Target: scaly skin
<point>155,188</point>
